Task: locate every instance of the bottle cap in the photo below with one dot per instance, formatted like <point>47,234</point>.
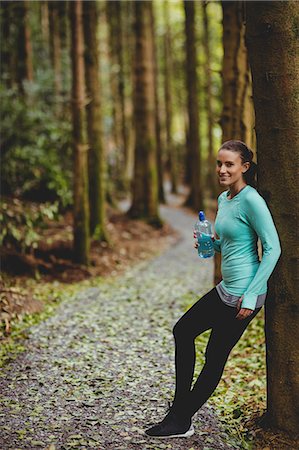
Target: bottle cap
<point>201,215</point>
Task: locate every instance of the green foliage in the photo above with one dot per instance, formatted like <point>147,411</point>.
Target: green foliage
<point>35,143</point>
<point>20,223</point>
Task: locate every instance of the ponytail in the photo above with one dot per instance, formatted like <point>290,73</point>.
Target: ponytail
<point>250,175</point>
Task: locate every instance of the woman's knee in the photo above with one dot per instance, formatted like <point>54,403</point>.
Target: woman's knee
<point>180,330</point>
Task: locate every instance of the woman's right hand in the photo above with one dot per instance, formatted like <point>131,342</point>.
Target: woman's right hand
<point>196,241</point>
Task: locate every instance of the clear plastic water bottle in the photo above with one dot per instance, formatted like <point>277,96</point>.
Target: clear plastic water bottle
<point>204,231</point>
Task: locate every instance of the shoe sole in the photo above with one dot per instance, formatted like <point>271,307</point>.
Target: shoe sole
<point>188,434</point>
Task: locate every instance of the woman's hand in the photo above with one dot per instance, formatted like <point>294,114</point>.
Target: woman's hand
<point>196,241</point>
<point>242,312</point>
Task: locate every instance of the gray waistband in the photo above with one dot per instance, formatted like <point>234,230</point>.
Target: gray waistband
<point>232,300</point>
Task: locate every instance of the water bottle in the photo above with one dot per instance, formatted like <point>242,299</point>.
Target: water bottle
<point>204,231</point>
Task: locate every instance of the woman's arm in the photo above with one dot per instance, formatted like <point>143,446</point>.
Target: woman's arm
<point>216,244</point>
<point>259,217</point>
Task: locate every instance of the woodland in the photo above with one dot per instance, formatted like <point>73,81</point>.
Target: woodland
<point>110,111</point>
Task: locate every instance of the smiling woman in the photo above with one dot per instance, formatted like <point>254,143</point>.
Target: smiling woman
<point>227,309</point>
<point>235,167</point>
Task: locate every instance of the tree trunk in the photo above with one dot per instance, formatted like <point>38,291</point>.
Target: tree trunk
<point>237,112</point>
<point>24,47</point>
<point>81,207</point>
<point>195,199</point>
<point>55,44</point>
<point>273,52</point>
<point>168,65</point>
<point>44,20</point>
<point>7,72</point>
<point>96,155</point>
<point>237,104</point>
<point>112,13</point>
<point>145,186</point>
<point>121,87</point>
<point>157,116</point>
<point>211,182</point>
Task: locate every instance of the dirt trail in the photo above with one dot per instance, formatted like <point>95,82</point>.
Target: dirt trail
<point>101,369</point>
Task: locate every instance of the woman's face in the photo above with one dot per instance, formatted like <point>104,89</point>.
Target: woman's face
<point>230,167</point>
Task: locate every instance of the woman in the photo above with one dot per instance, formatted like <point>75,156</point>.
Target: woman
<point>242,218</point>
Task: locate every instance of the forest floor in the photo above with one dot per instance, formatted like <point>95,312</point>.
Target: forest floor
<point>100,369</point>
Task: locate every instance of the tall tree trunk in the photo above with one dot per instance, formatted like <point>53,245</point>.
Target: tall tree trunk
<point>96,155</point>
<point>44,20</point>
<point>145,186</point>
<point>116,79</point>
<point>55,44</point>
<point>81,207</point>
<point>195,199</point>
<point>211,182</point>
<point>157,116</point>
<point>237,104</point>
<point>168,65</point>
<point>121,86</point>
<point>7,72</point>
<point>129,46</point>
<point>273,52</point>
<point>24,57</point>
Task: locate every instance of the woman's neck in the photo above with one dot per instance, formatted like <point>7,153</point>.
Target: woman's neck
<point>234,189</point>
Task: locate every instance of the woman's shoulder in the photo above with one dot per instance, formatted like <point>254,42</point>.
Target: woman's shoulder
<point>252,198</point>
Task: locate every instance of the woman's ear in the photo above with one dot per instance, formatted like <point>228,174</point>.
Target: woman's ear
<point>246,166</point>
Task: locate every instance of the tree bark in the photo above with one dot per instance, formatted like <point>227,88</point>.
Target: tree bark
<point>96,154</point>
<point>55,44</point>
<point>116,38</point>
<point>237,103</point>
<point>195,199</point>
<point>168,66</point>
<point>237,113</point>
<point>121,87</point>
<point>7,69</point>
<point>211,182</point>
<point>273,52</point>
<point>81,207</point>
<point>160,162</point>
<point>145,185</point>
<point>24,47</point>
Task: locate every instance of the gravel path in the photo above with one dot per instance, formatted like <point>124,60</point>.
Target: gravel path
<point>95,374</point>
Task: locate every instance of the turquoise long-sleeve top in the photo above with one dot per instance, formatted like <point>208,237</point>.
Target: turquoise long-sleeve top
<point>239,223</point>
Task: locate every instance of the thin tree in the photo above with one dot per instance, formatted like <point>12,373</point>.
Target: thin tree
<point>81,207</point>
<point>24,47</point>
<point>168,95</point>
<point>274,58</point>
<point>44,21</point>
<point>195,199</point>
<point>96,153</point>
<point>211,179</point>
<point>117,81</point>
<point>145,184</point>
<point>160,162</point>
<point>7,72</point>
<point>55,45</point>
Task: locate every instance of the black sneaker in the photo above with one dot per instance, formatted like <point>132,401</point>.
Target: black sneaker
<point>171,428</point>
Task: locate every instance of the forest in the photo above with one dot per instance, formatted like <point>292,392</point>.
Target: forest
<point>112,114</point>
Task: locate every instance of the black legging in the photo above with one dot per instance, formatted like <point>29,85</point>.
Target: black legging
<point>207,313</point>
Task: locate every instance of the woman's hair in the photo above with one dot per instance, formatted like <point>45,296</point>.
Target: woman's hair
<point>246,155</point>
